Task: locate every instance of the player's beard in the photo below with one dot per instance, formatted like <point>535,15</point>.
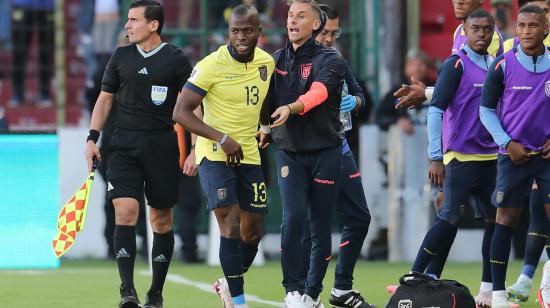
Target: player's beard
<point>247,57</point>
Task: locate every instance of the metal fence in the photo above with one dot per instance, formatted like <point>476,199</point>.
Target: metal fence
<point>51,55</point>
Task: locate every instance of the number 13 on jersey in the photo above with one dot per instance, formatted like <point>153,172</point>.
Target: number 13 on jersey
<point>252,95</point>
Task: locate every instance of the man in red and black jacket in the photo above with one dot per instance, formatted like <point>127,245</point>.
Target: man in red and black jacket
<point>305,93</point>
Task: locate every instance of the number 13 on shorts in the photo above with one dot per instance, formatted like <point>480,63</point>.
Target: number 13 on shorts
<point>260,192</point>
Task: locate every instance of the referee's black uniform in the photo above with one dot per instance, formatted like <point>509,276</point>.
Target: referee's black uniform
<point>144,151</point>
<point>144,148</point>
<point>309,157</point>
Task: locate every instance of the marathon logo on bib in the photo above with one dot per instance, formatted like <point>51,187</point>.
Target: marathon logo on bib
<point>547,88</point>
<point>158,94</point>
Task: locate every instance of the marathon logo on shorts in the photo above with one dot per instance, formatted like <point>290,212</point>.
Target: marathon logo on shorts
<point>258,206</point>
<point>263,72</point>
<point>222,193</point>
<point>547,88</point>
<point>405,303</point>
<point>158,94</point>
<point>305,69</point>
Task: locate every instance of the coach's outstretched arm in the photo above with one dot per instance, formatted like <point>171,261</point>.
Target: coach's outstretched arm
<point>100,114</point>
<point>186,104</point>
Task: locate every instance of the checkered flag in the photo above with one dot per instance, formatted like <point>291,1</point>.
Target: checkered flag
<point>72,217</point>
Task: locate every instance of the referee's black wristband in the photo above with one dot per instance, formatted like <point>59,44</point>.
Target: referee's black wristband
<point>93,135</point>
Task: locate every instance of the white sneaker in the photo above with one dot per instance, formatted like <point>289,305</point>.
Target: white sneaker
<point>293,300</point>
<point>543,294</point>
<point>221,287</point>
<point>519,291</point>
<point>500,300</point>
<point>483,299</point>
<point>308,302</point>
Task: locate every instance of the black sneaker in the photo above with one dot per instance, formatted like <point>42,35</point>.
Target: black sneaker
<point>154,300</point>
<point>351,299</point>
<point>128,297</point>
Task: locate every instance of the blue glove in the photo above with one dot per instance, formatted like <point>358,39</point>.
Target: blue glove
<point>349,102</point>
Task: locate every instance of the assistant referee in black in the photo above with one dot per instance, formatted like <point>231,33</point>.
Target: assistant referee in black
<point>147,76</point>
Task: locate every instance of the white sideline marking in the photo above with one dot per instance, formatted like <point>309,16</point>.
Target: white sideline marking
<point>208,288</point>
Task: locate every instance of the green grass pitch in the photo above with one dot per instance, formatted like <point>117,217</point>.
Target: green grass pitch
<point>95,284</point>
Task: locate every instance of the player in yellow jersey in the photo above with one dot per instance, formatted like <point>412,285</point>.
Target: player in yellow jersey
<point>232,84</point>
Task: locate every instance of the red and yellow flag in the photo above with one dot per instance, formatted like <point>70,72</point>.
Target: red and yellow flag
<point>72,217</point>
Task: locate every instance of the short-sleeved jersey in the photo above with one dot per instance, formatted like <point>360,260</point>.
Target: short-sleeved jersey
<point>234,93</point>
<point>147,84</point>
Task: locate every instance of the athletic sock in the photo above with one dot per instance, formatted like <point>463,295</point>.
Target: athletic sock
<point>163,247</point>
<point>238,300</point>
<point>500,252</point>
<point>248,254</point>
<point>232,265</point>
<point>124,241</point>
<point>431,244</point>
<point>534,245</point>
<point>486,252</point>
<point>486,287</point>
<point>438,262</point>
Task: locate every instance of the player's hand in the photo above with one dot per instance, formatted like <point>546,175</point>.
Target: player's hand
<point>438,202</point>
<point>281,114</point>
<point>546,150</point>
<point>349,102</point>
<point>233,151</point>
<point>518,153</point>
<point>92,151</point>
<point>189,166</point>
<point>410,96</point>
<point>436,173</point>
<point>265,139</point>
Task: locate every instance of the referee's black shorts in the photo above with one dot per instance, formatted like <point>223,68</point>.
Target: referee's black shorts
<point>144,160</point>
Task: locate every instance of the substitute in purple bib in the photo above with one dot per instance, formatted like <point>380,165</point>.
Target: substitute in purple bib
<point>517,83</point>
<point>465,161</point>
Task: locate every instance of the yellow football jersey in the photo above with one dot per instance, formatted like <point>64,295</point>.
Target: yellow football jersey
<point>510,43</point>
<point>450,155</point>
<point>235,93</point>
